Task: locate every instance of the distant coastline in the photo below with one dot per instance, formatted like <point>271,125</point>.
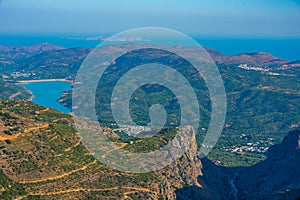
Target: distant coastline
<point>285,48</point>
<point>43,80</point>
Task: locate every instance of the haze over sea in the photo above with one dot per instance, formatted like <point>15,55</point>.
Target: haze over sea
<point>285,48</point>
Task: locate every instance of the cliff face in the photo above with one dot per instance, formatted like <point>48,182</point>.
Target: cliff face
<point>276,177</point>
<point>215,182</point>
<point>184,172</point>
<point>41,156</point>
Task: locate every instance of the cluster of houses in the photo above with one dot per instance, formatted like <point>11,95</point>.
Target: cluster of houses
<point>132,130</point>
<point>260,146</point>
<point>247,67</point>
<point>260,69</point>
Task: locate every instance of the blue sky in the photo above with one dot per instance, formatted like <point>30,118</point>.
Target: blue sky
<point>237,18</point>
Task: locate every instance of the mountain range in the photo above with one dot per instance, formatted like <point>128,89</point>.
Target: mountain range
<point>44,58</point>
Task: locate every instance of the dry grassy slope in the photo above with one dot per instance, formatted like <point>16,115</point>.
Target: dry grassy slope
<point>41,151</point>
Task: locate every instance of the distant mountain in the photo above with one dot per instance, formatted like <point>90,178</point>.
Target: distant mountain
<point>296,62</point>
<point>57,62</point>
<point>10,56</point>
<point>30,49</point>
<point>260,59</point>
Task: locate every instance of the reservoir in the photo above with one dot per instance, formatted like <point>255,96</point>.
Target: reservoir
<point>47,93</point>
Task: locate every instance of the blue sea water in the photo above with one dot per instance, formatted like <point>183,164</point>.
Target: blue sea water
<point>47,93</point>
<point>288,49</point>
<point>285,48</point>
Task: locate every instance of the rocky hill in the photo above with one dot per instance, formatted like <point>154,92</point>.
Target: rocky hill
<point>41,157</point>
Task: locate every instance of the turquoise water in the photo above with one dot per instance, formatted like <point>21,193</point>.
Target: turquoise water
<point>47,93</point>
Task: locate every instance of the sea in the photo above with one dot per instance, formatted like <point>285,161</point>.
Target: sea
<point>284,48</point>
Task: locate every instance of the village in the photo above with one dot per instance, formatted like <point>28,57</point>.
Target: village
<point>260,146</point>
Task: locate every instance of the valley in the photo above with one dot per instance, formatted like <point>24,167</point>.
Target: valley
<point>42,156</point>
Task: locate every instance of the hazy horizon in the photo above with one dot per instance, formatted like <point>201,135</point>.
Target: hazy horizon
<point>232,18</point>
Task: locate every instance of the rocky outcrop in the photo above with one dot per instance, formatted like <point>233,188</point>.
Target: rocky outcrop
<point>184,172</point>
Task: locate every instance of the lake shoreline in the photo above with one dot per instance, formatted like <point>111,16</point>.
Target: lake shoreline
<point>47,92</point>
<point>31,97</point>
